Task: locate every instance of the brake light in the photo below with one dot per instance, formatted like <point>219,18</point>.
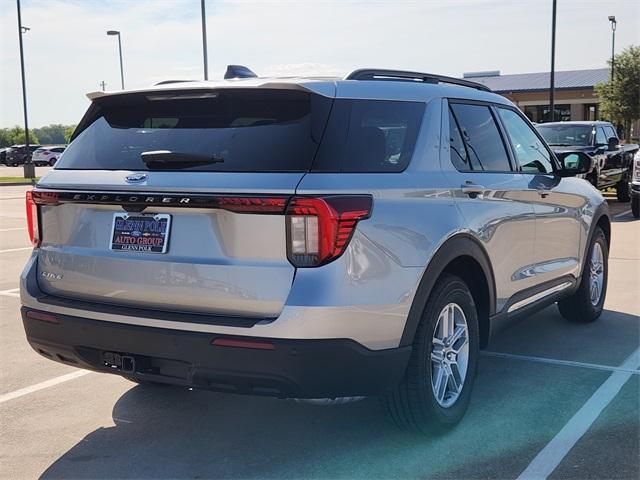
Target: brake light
<point>253,204</point>
<point>320,228</point>
<point>33,226</point>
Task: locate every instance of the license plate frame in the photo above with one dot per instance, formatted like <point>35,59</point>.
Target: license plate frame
<point>140,232</point>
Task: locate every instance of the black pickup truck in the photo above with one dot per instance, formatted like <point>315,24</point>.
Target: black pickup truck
<point>613,161</point>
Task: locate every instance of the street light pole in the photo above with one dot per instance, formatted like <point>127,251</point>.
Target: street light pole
<point>29,171</point>
<point>614,24</point>
<point>552,86</point>
<point>115,32</point>
<point>204,39</point>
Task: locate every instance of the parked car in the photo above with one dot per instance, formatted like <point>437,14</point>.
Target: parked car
<point>634,186</point>
<point>308,238</point>
<point>17,154</point>
<point>612,161</point>
<point>3,156</point>
<point>47,155</point>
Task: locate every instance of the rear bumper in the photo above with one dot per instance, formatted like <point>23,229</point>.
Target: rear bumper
<point>293,368</point>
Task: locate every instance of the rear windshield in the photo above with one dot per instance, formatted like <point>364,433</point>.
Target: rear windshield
<point>566,135</point>
<point>248,131</point>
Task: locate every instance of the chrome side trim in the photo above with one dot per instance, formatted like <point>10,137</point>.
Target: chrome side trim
<point>538,296</point>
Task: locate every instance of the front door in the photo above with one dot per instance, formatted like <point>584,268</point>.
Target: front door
<point>556,205</point>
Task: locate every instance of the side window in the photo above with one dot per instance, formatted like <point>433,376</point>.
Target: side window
<point>369,136</point>
<point>610,132</point>
<point>601,138</point>
<point>459,156</point>
<point>530,152</point>
<point>482,138</point>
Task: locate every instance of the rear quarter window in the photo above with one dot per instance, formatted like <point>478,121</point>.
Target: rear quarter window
<point>369,136</point>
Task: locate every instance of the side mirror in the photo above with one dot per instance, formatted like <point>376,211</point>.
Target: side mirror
<point>612,143</point>
<point>574,163</point>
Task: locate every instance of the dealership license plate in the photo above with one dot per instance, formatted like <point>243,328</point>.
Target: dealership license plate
<point>140,233</point>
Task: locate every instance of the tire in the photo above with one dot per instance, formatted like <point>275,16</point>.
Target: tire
<point>622,191</point>
<point>635,206</point>
<point>52,162</point>
<point>580,307</point>
<point>414,405</point>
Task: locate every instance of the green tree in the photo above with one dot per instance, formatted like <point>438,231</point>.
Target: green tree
<point>15,135</point>
<point>5,141</point>
<point>620,98</point>
<point>68,132</point>
<point>51,134</point>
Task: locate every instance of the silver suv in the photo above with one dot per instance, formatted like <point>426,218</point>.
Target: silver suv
<point>308,238</point>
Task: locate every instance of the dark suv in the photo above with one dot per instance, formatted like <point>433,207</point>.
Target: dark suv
<point>17,154</point>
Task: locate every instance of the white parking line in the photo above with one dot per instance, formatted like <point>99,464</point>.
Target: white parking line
<point>13,198</point>
<point>12,229</point>
<point>552,454</point>
<point>42,385</point>
<point>553,361</point>
<point>622,214</point>
<point>13,292</point>
<point>16,249</point>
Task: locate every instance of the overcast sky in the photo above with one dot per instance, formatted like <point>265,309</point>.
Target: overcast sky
<point>68,53</point>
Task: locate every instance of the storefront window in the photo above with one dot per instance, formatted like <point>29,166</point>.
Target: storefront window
<point>541,113</point>
<point>591,112</point>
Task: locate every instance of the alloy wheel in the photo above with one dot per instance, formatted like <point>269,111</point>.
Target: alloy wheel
<point>449,355</point>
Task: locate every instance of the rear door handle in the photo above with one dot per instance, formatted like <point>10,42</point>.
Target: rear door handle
<point>472,190</point>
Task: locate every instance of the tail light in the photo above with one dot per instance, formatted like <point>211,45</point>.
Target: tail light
<point>33,224</point>
<point>320,228</point>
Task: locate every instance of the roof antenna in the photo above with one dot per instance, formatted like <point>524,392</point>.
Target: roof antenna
<point>238,71</point>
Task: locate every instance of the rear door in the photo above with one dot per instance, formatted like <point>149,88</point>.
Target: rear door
<point>199,227</point>
<point>609,172</point>
<point>557,204</point>
<point>494,199</point>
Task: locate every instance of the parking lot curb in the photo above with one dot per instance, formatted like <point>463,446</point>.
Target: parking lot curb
<point>16,184</point>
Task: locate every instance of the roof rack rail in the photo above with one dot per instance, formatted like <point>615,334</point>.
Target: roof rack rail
<point>380,74</point>
<point>167,82</point>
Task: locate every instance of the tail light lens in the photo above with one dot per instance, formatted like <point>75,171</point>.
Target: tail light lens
<point>33,225</point>
<point>320,228</point>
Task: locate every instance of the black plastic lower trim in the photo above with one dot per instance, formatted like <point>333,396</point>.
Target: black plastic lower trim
<point>501,319</point>
<point>293,368</point>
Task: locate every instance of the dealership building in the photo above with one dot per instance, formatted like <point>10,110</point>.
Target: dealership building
<point>575,98</point>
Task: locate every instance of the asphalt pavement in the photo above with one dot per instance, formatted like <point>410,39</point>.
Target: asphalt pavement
<point>552,400</point>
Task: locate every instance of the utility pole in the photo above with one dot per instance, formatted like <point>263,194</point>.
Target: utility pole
<point>204,40</point>
<point>29,170</point>
<point>103,84</point>
<point>117,34</point>
<point>614,24</point>
<point>552,86</point>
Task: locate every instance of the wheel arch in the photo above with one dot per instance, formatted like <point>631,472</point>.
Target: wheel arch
<point>605,224</point>
<point>465,257</point>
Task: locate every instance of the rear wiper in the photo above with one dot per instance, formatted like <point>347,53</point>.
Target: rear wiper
<point>159,159</point>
